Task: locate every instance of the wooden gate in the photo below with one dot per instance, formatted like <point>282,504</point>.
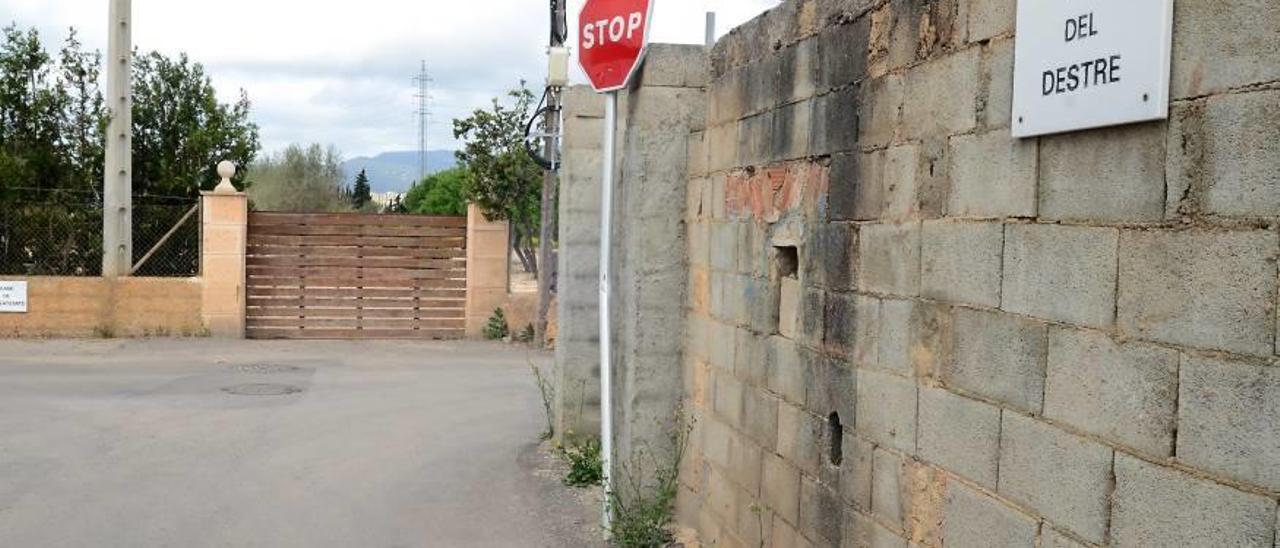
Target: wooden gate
<point>355,276</point>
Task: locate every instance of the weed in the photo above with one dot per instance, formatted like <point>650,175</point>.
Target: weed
<point>585,465</point>
<point>104,331</point>
<point>548,392</point>
<point>497,328</point>
<point>643,512</point>
<point>525,335</point>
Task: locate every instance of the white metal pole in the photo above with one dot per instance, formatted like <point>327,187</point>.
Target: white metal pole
<point>117,185</point>
<point>606,246</point>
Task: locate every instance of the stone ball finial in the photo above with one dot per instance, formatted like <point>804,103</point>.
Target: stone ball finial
<point>226,170</point>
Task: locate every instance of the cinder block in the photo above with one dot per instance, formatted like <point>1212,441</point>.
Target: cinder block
<point>889,259</point>
<point>1227,419</point>
<point>900,184</point>
<point>812,316</point>
<point>724,247</point>
<point>780,488</point>
<point>1108,175</point>
<point>988,18</point>
<point>1063,273</point>
<point>889,488</point>
<point>1219,46</point>
<point>827,257</point>
<point>822,513</point>
<point>1198,288</point>
<point>1051,538</point>
<point>1000,357</point>
<point>887,409</point>
<point>857,186</point>
<point>760,417</point>
<point>1222,160</point>
<point>1127,394</point>
<point>856,471</point>
<point>1063,477</point>
<point>831,385</point>
<point>791,131</point>
<point>992,176</point>
<point>842,58</point>
<point>996,106</point>
<point>786,377</point>
<point>942,95</point>
<point>974,520</point>
<point>1157,506</point>
<point>799,436</point>
<point>835,122</point>
<point>881,110</point>
<point>798,71</point>
<point>961,262</point>
<point>864,532</point>
<point>727,397</point>
<point>960,434</point>
<point>914,338</point>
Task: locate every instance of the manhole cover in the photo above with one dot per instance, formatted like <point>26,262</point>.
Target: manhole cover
<point>266,369</point>
<point>262,390</point>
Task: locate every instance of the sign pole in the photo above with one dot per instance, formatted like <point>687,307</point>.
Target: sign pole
<point>606,340</point>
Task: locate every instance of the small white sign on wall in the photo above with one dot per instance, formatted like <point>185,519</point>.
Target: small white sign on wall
<point>13,297</point>
<point>1090,63</point>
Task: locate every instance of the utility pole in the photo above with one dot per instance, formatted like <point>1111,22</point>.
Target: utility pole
<point>423,79</point>
<point>548,266</point>
<point>117,184</point>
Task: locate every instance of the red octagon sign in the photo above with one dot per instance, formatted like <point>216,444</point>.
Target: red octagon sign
<point>612,38</point>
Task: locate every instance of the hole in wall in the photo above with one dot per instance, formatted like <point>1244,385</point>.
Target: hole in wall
<point>787,261</point>
<point>835,437</point>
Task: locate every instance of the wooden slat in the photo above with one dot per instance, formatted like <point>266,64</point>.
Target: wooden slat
<point>313,302</point>
<point>356,334</point>
<point>358,230</point>
<point>342,283</point>
<point>367,241</point>
<point>352,323</point>
<point>269,218</point>
<point>382,313</point>
<point>355,293</point>
<point>355,273</point>
<point>357,252</point>
<point>357,262</point>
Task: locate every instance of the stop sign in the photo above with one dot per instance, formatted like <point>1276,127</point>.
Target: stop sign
<point>612,38</point>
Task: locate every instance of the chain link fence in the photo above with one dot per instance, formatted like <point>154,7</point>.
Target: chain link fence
<point>60,239</point>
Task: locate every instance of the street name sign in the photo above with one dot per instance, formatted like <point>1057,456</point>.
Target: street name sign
<point>612,38</point>
<point>13,297</point>
<point>1083,64</point>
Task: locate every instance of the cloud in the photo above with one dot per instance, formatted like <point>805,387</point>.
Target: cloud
<point>341,72</point>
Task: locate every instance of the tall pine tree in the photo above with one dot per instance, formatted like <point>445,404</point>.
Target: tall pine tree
<point>362,193</point>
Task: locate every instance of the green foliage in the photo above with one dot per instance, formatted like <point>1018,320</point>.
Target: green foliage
<point>525,335</point>
<point>503,180</point>
<point>181,131</point>
<point>361,191</point>
<point>53,124</point>
<point>299,179</point>
<point>497,328</point>
<point>643,510</point>
<point>586,467</point>
<point>547,391</point>
<point>395,207</point>
<point>443,193</point>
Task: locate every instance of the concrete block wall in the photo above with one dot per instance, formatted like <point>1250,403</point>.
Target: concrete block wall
<point>577,371</point>
<point>907,328</point>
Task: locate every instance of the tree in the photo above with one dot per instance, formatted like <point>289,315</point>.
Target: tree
<point>361,192</point>
<point>443,193</point>
<point>297,179</point>
<point>181,131</point>
<point>503,180</point>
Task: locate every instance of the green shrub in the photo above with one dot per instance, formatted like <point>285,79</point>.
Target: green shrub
<point>643,512</point>
<point>497,328</point>
<point>585,465</point>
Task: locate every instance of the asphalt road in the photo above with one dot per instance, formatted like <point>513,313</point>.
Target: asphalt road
<point>192,443</point>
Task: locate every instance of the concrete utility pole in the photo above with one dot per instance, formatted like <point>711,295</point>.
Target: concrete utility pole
<point>547,263</point>
<point>117,185</point>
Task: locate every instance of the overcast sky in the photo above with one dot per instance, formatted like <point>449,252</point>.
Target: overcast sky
<point>317,72</point>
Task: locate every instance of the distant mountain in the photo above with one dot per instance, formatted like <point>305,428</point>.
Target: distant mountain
<point>396,171</point>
